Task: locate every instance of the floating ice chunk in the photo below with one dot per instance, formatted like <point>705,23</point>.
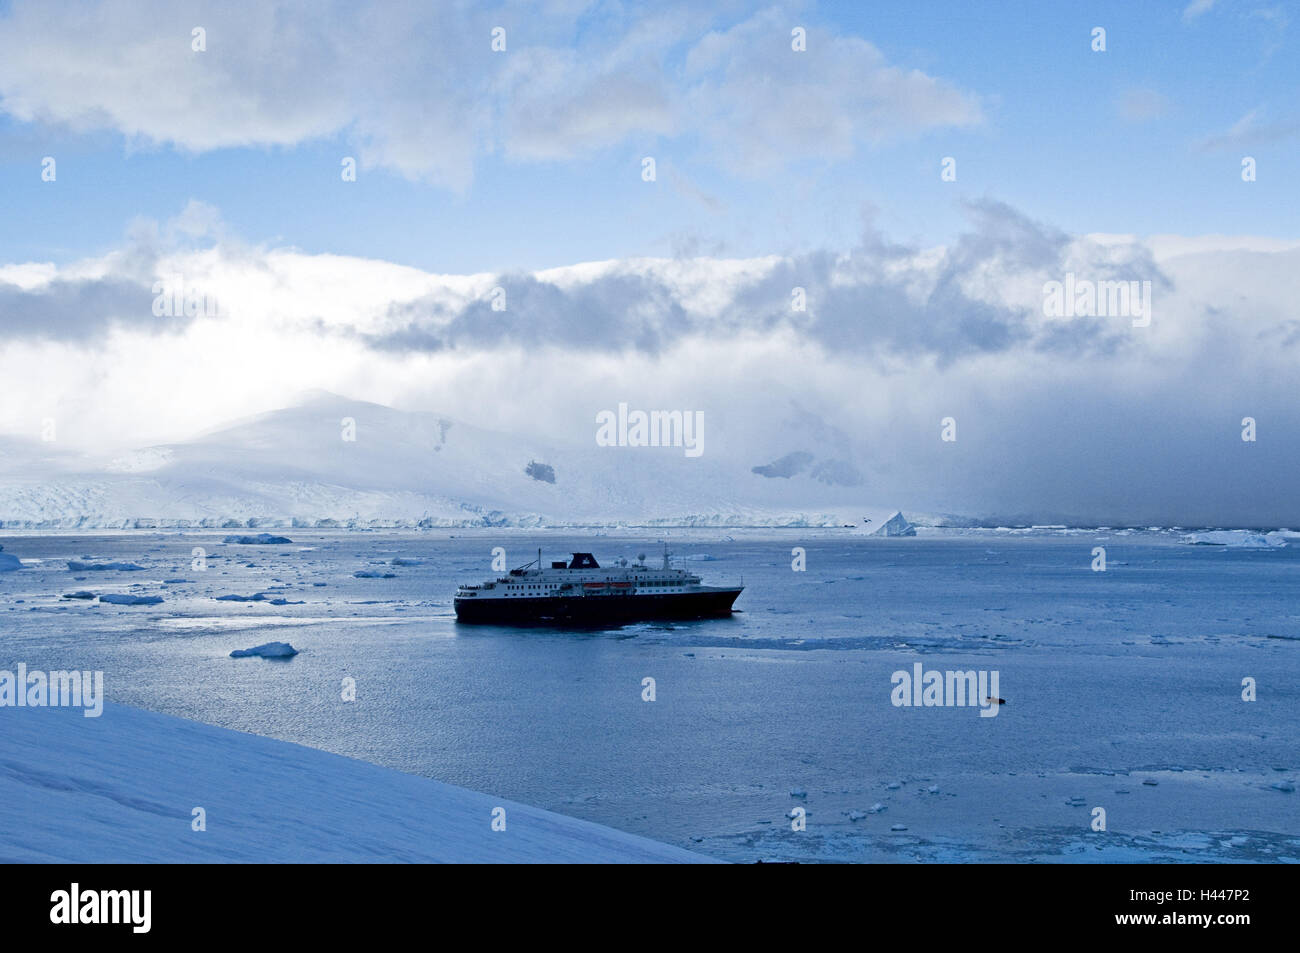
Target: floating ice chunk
<point>1235,539</point>
<point>125,599</point>
<point>855,815</point>
<point>268,650</point>
<point>798,792</point>
<point>1286,787</point>
<point>79,594</point>
<point>261,539</point>
<point>372,574</point>
<point>407,561</point>
<point>255,597</point>
<point>876,808</point>
<point>898,827</point>
<point>76,566</point>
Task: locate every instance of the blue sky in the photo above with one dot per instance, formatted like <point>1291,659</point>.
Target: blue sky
<point>1119,141</point>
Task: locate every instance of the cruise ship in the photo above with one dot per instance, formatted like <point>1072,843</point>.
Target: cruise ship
<point>581,592</point>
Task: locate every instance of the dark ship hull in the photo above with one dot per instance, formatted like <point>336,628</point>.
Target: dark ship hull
<point>597,610</point>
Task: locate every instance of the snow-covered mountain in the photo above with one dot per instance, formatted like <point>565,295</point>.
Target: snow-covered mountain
<point>330,460</point>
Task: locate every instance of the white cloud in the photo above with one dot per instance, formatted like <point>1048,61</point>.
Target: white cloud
<point>761,104</point>
<point>130,66</point>
<point>415,87</point>
<point>1250,130</point>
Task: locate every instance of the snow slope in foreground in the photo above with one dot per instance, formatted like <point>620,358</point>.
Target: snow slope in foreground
<point>121,788</point>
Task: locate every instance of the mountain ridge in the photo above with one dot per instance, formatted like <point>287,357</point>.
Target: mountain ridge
<point>330,460</point>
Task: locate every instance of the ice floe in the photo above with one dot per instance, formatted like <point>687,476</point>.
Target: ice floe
<point>1236,539</point>
<point>126,599</point>
<point>267,650</point>
<point>78,566</point>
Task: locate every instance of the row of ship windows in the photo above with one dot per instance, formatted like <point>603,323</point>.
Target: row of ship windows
<point>643,585</point>
<point>509,594</point>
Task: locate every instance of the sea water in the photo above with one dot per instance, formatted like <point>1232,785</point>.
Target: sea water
<point>771,734</point>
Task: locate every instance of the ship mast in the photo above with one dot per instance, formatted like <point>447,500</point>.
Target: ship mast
<point>527,564</point>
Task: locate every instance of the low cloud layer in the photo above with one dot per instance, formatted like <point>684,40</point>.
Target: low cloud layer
<point>1086,417</point>
<point>76,310</point>
<point>882,300</point>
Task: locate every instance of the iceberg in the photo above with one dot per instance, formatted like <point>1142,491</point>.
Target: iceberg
<point>896,525</point>
<point>261,539</point>
<point>881,523</point>
<point>8,563</point>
